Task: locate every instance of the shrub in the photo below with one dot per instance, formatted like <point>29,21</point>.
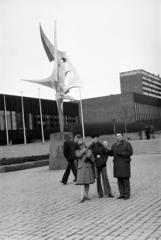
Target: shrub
<point>9,161</point>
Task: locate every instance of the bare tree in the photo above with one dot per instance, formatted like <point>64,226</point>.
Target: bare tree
<point>126,116</point>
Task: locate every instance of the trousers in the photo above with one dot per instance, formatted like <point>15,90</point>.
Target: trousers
<point>124,186</point>
<point>106,184</point>
<point>70,166</point>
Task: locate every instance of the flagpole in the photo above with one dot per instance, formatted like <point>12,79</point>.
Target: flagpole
<point>59,101</point>
<point>81,113</point>
<point>55,56</point>
<point>6,120</point>
<point>23,119</point>
<point>42,130</point>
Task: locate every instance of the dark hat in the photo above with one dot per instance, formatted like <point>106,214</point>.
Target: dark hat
<point>119,132</point>
<point>66,136</point>
<point>96,135</point>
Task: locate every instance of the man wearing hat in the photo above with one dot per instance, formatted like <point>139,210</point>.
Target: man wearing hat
<point>100,155</point>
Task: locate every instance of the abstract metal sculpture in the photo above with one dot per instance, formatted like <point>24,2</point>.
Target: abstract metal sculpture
<point>63,77</point>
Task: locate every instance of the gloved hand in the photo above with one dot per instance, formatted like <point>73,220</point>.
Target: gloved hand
<point>87,160</point>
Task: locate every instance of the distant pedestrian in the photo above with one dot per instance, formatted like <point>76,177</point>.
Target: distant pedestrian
<point>100,155</point>
<point>121,152</point>
<point>69,154</point>
<point>147,132</point>
<point>85,171</point>
<point>152,132</point>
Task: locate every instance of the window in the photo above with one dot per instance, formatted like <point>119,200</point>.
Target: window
<point>8,116</point>
<point>19,121</point>
<point>47,121</point>
<point>14,120</point>
<point>35,122</point>
<point>2,120</point>
<point>30,121</point>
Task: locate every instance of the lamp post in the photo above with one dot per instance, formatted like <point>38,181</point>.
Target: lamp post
<point>114,125</point>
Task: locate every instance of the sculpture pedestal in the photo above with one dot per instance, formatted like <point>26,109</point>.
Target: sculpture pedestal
<point>56,156</point>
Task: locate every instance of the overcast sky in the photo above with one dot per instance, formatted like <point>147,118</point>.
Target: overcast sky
<point>101,38</point>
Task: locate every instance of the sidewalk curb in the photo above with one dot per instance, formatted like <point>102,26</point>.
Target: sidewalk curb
<point>23,166</point>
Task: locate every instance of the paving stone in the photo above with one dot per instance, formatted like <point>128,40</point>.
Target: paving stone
<point>109,237</point>
<point>36,206</point>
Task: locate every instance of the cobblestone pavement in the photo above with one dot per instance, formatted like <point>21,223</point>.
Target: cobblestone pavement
<point>35,205</point>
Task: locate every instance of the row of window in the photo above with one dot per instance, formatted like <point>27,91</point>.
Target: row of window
<point>151,85</point>
<point>154,82</point>
<point>14,120</point>
<point>155,92</point>
<point>148,93</point>
<point>146,112</point>
<point>150,76</point>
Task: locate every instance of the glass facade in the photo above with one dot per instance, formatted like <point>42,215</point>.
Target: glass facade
<point>32,118</point>
<point>144,112</point>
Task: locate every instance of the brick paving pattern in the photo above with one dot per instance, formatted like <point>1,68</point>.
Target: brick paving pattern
<point>34,205</point>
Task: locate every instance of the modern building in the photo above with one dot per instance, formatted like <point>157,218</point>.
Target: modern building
<point>123,107</point>
<point>139,101</point>
<point>11,118</point>
<point>140,81</point>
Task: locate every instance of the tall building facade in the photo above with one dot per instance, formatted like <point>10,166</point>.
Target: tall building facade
<point>140,81</point>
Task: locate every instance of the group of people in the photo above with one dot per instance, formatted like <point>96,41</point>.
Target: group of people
<point>149,132</point>
<point>89,164</point>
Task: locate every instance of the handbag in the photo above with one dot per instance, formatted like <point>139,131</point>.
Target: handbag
<point>100,161</point>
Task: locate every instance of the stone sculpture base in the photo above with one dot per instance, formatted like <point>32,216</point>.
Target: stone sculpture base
<point>56,157</point>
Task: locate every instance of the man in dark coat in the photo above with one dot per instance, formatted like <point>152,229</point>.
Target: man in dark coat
<point>100,155</point>
<point>121,152</point>
<point>69,154</point>
<point>147,132</point>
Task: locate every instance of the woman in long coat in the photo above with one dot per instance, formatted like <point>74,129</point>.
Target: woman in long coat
<point>85,170</point>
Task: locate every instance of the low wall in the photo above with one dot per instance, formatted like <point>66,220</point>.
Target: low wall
<point>23,166</point>
<point>24,150</point>
<point>36,149</point>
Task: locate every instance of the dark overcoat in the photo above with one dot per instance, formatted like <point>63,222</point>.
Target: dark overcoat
<point>121,158</point>
<point>69,150</point>
<point>85,171</point>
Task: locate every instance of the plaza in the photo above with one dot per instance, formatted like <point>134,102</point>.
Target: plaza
<point>35,205</point>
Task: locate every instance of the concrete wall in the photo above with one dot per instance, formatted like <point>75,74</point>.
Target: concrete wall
<point>131,83</point>
<point>23,150</point>
<point>104,109</point>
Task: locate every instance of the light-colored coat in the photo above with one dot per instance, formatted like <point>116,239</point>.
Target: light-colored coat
<point>85,170</point>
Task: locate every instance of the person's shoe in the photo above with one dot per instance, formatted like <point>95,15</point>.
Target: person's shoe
<point>63,182</point>
<point>100,196</point>
<point>87,198</point>
<point>81,201</point>
<point>110,195</point>
<point>126,198</point>
<point>120,197</point>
